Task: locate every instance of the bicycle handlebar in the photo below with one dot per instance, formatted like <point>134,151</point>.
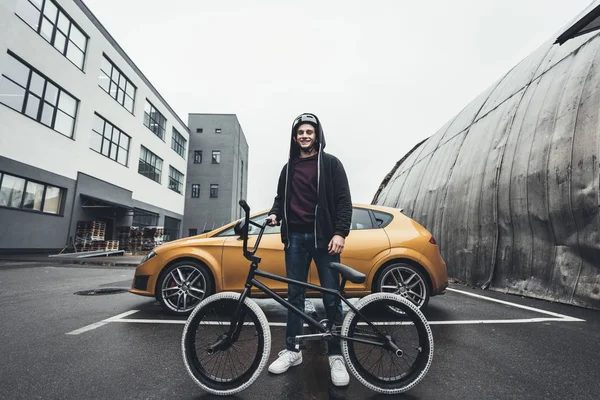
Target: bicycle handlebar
<point>250,254</point>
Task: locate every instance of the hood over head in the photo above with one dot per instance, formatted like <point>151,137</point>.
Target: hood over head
<point>307,118</point>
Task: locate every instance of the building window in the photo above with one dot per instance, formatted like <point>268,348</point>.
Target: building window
<point>171,230</point>
<point>154,120</point>
<point>116,84</point>
<point>198,130</point>
<point>214,191</point>
<point>143,218</point>
<point>197,156</point>
<point>193,232</point>
<point>216,157</point>
<point>150,165</point>
<point>54,25</point>
<point>195,190</point>
<point>29,92</point>
<point>30,195</point>
<point>178,143</point>
<point>175,180</point>
<point>110,141</point>
<point>218,130</point>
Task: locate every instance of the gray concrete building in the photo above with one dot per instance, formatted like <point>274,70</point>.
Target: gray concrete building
<point>217,174</point>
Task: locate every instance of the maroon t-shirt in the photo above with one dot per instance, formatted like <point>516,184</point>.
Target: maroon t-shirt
<point>303,199</point>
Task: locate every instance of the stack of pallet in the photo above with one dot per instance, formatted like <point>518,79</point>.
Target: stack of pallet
<point>89,235</point>
<point>139,239</point>
<point>112,245</point>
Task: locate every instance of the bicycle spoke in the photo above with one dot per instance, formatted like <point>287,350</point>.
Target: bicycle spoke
<point>378,365</point>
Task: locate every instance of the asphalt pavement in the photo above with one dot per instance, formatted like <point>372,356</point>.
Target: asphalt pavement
<point>59,343</point>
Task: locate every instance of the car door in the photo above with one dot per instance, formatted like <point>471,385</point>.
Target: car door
<point>362,248</point>
<point>235,266</point>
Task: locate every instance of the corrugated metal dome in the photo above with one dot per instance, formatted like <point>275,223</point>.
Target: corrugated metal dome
<point>510,187</point>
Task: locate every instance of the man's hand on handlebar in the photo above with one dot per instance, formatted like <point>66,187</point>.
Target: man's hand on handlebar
<point>272,220</point>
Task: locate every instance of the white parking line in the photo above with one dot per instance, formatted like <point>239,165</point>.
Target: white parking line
<point>101,323</point>
<point>557,318</point>
<point>454,322</point>
<point>560,316</point>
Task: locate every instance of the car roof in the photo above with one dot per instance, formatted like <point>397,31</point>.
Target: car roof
<point>254,214</point>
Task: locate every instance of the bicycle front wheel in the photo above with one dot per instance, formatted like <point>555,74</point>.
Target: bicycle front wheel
<point>380,369</point>
<point>229,369</point>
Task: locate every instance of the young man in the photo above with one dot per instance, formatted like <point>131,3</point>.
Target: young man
<point>314,207</point>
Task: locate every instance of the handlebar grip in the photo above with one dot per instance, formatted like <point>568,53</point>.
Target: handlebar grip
<point>245,205</point>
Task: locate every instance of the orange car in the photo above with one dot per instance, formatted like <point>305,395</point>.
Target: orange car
<point>395,253</point>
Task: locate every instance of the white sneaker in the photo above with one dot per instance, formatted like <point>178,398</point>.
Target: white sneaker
<point>339,375</point>
<point>287,359</point>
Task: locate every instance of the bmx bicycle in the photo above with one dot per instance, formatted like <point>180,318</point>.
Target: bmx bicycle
<point>226,340</point>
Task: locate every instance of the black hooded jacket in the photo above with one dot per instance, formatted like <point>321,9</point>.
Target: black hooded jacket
<point>333,212</point>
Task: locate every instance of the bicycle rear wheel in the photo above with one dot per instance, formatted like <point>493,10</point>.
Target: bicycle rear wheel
<point>232,369</point>
<point>376,367</point>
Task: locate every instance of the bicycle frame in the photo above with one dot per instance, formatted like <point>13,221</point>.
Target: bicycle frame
<point>251,281</point>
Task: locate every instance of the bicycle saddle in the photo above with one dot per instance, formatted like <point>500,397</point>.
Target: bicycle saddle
<point>348,273</point>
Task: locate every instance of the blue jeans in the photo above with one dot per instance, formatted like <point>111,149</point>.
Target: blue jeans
<point>298,255</point>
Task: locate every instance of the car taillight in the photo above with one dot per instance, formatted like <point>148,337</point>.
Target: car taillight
<point>432,240</point>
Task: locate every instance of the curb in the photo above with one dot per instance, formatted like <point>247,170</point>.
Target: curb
<point>106,263</point>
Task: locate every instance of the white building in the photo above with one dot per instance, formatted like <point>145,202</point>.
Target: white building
<point>84,136</point>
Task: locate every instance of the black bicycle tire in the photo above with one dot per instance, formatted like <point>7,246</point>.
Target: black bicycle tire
<point>260,359</point>
<point>425,338</point>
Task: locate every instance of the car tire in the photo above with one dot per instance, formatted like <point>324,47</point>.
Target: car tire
<point>182,286</point>
<point>407,280</point>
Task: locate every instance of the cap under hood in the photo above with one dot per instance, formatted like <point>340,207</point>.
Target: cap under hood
<point>306,118</point>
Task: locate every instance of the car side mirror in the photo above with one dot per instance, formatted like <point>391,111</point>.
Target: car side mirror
<point>239,230</point>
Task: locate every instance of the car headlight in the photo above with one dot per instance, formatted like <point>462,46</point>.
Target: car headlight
<point>148,257</point>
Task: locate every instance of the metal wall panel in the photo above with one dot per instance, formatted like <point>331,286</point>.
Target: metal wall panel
<point>510,187</point>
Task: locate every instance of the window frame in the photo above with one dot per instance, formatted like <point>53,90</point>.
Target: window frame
<point>142,216</point>
<point>110,140</point>
<point>42,100</point>
<point>195,191</point>
<point>68,38</point>
<point>62,195</point>
<point>385,223</point>
<point>181,144</point>
<point>214,188</point>
<point>111,81</point>
<point>168,229</point>
<point>196,153</point>
<point>174,175</point>
<point>370,216</point>
<point>212,158</point>
<point>150,119</point>
<point>150,154</point>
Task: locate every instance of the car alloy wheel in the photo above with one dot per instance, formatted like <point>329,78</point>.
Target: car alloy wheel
<point>182,287</point>
<point>407,281</point>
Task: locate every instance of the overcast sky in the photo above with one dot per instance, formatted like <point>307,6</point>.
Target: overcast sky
<point>380,74</point>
